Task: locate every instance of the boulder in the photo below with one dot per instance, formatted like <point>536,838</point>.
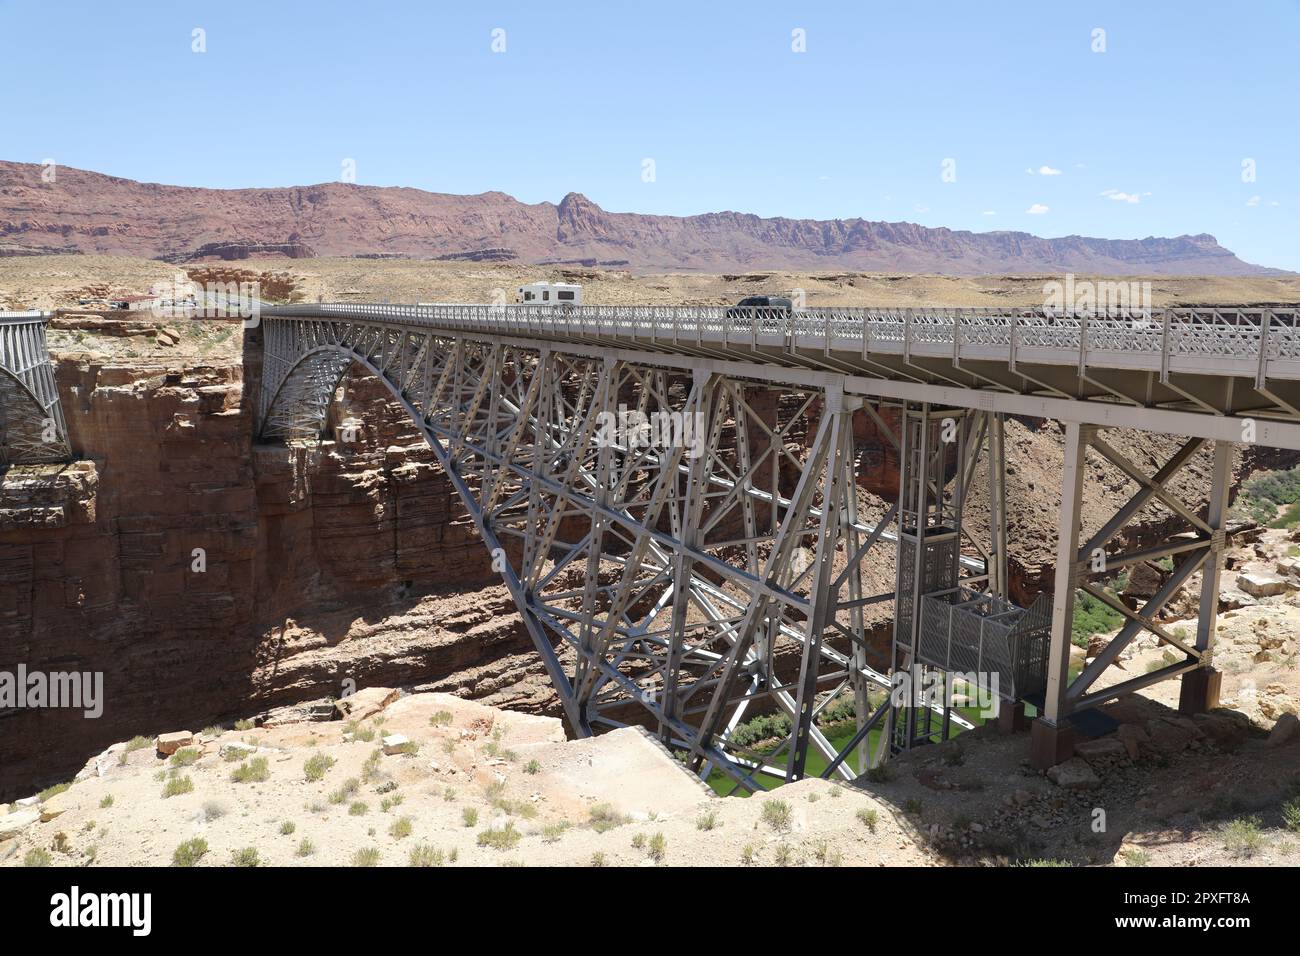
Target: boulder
<point>1103,748</point>
<point>1289,566</point>
<point>1262,585</point>
<point>54,807</point>
<point>1144,580</point>
<point>1074,774</point>
<point>170,743</point>
<point>366,702</point>
<point>394,744</point>
<point>1284,731</point>
<point>1134,738</point>
<point>1168,737</point>
<point>15,823</point>
<point>237,749</point>
<point>1222,727</point>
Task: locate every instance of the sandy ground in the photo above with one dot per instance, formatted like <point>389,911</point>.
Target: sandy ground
<point>52,281</point>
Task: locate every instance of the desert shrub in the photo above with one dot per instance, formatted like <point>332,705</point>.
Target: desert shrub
<point>469,816</point>
<point>185,757</point>
<point>255,770</point>
<point>776,814</point>
<point>604,817</point>
<point>425,855</point>
<point>707,820</point>
<point>1242,837</point>
<point>441,719</point>
<point>1291,815</point>
<point>287,827</point>
<point>1136,857</point>
<point>368,856</point>
<point>306,847</point>
<point>401,828</point>
<point>138,743</point>
<point>190,852</point>
<point>37,857</point>
<point>358,808</point>
<point>868,818</point>
<point>52,791</point>
<point>176,786</point>
<point>316,765</point>
<point>499,838</point>
<point>552,832</point>
<point>107,802</point>
<point>657,847</point>
<point>345,791</point>
<point>248,856</point>
<point>532,767</point>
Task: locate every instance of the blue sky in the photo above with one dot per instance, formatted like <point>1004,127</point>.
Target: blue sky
<point>1145,138</point>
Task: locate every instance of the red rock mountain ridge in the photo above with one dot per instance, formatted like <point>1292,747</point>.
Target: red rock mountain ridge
<point>89,212</point>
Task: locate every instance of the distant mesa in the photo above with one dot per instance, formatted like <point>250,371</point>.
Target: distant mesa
<point>479,255</point>
<point>242,249</point>
<point>91,213</point>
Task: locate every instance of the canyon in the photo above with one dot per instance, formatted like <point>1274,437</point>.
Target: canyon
<point>77,211</point>
<point>211,577</point>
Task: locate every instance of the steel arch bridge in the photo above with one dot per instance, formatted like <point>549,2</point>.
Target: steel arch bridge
<point>32,429</point>
<point>729,567</point>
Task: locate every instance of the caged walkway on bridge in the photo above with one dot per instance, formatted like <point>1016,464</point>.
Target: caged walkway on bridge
<point>32,429</point>
<point>729,569</point>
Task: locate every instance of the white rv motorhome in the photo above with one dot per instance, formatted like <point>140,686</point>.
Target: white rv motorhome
<point>550,293</point>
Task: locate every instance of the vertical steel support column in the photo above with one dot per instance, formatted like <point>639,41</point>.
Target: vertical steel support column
<point>998,583</point>
<point>702,405</point>
<point>1200,688</point>
<point>839,464</point>
<point>1053,739</point>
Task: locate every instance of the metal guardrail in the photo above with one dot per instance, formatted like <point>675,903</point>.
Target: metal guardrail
<point>1149,339</point>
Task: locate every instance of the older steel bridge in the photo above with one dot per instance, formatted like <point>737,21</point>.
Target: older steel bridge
<point>32,429</point>
<point>733,568</point>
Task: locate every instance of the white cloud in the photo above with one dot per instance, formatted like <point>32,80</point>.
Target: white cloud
<point>1253,201</point>
<point>989,212</point>
<point>1121,196</point>
<point>1048,171</point>
<point>1037,209</point>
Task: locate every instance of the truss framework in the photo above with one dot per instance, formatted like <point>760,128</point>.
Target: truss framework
<point>1082,565</point>
<point>695,583</point>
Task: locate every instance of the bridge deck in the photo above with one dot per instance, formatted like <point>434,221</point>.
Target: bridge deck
<point>1256,343</point>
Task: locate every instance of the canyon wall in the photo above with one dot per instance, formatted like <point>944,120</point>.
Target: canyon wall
<point>208,577</point>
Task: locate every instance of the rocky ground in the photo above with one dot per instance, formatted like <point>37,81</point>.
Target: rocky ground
<point>430,779</point>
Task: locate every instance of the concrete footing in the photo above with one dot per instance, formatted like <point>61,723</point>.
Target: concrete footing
<point>1200,691</point>
<point>1011,718</point>
<point>1049,744</point>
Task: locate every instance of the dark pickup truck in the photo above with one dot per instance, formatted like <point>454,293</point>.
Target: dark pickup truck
<point>761,305</point>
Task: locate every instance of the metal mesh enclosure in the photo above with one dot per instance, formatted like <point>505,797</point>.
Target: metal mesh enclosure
<point>967,631</point>
<point>938,573</point>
